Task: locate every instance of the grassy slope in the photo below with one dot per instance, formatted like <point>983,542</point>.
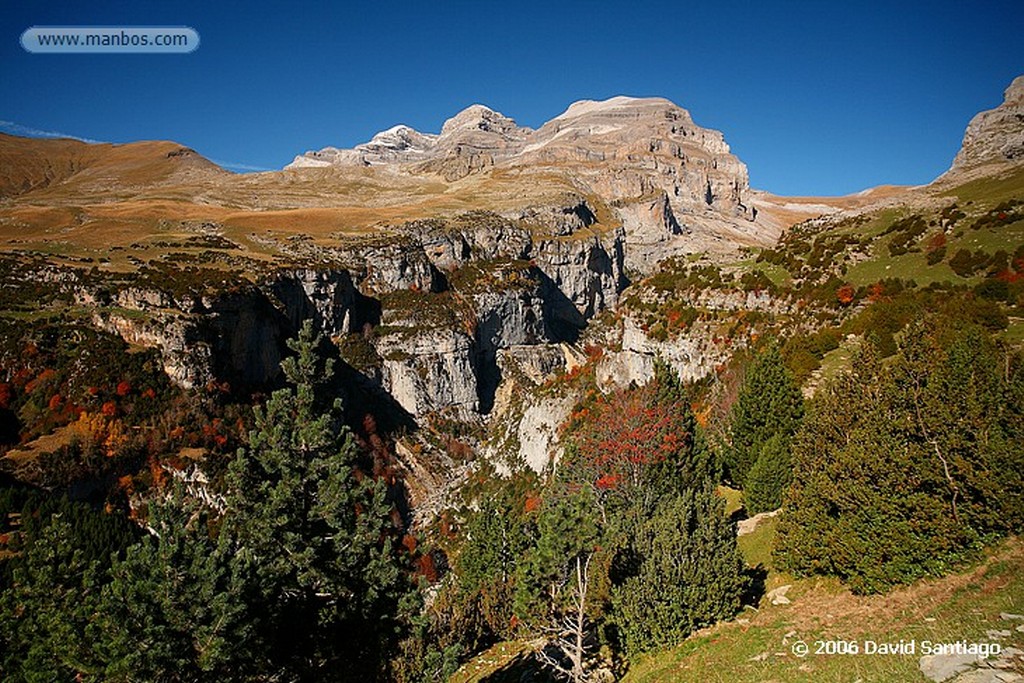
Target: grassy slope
<point>756,646</point>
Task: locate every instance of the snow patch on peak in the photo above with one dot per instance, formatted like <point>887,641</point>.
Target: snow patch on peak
<point>395,130</point>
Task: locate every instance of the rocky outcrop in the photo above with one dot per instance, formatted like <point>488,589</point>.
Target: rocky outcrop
<point>187,357</point>
<point>329,297</point>
<point>649,225</point>
<point>562,218</point>
<point>429,369</point>
<point>524,423</point>
<point>693,354</point>
<point>994,137</point>
<point>584,276</point>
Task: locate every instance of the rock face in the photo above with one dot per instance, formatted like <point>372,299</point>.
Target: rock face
<point>433,306</point>
<point>995,136</point>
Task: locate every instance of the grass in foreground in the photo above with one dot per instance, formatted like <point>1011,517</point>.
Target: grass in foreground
<point>757,646</point>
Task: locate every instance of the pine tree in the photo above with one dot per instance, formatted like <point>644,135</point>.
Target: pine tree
<point>317,529</point>
<point>684,573</point>
<point>769,404</point>
<point>174,606</point>
<point>45,614</point>
<point>904,468</point>
<point>768,479</point>
<point>554,589</point>
<point>694,461</point>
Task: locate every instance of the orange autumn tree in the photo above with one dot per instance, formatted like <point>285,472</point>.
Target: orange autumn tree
<point>99,430</point>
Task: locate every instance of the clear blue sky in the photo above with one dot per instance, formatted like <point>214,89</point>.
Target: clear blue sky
<point>816,97</point>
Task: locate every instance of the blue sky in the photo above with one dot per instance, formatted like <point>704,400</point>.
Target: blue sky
<point>816,98</point>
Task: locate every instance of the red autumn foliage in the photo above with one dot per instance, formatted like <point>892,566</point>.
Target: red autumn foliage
<point>426,568</point>
<point>845,294</point>
<point>409,543</point>
<point>619,434</point>
<point>126,484</point>
<point>109,409</point>
<point>459,450</point>
<point>876,292</point>
<point>937,242</point>
<point>446,526</point>
<point>124,388</point>
<point>6,394</point>
<point>1009,277</point>
<point>158,473</point>
<point>532,503</point>
<point>149,393</point>
<point>45,376</point>
<point>55,402</point>
<point>21,377</point>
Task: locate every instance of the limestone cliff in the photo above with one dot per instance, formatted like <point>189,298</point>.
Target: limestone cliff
<point>994,137</point>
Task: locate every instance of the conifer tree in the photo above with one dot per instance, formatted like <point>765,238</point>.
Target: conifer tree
<point>554,592</point>
<point>905,467</point>
<point>685,571</point>
<point>174,606</point>
<point>769,404</point>
<point>768,479</point>
<point>317,530</point>
<point>694,461</point>
<point>45,614</point>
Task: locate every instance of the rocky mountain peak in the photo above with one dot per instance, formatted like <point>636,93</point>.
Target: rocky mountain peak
<point>401,137</point>
<point>620,106</point>
<point>1014,94</point>
<point>477,117</point>
<point>995,136</point>
<point>644,154</point>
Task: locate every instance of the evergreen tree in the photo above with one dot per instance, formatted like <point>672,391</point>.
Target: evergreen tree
<point>497,538</point>
<point>174,609</point>
<point>904,468</point>
<point>45,614</point>
<point>769,404</point>
<point>555,592</point>
<point>683,572</point>
<point>693,461</point>
<point>768,479</point>
<point>317,530</point>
